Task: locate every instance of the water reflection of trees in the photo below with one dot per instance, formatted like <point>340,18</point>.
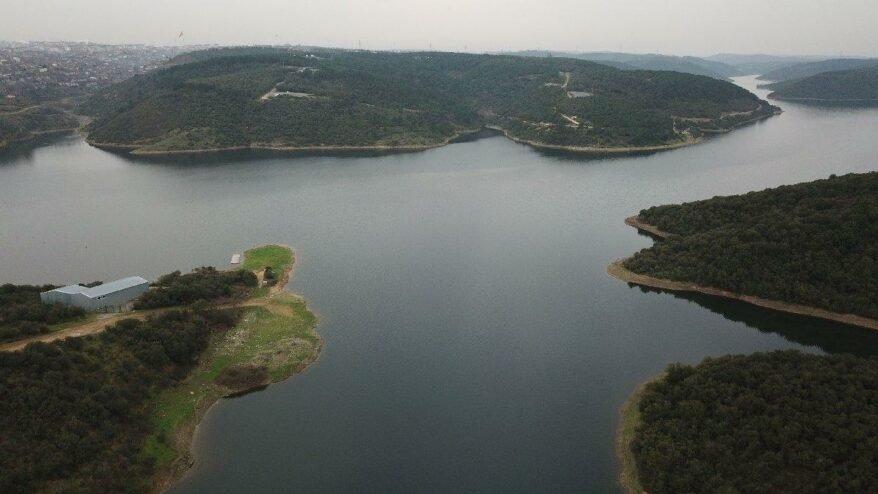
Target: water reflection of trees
<point>23,151</point>
<point>829,336</point>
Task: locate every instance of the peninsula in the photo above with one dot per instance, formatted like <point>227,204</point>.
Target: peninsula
<point>114,408</point>
<point>326,99</point>
<point>806,249</point>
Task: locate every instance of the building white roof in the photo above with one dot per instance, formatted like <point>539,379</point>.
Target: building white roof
<point>105,289</point>
<point>71,289</point>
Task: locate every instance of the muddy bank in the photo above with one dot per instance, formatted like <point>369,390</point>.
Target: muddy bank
<point>618,271</point>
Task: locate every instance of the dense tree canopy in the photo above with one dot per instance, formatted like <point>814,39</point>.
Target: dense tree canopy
<point>765,423</point>
<point>284,97</point>
<point>812,244</point>
<point>206,283</point>
<point>72,412</point>
<point>23,314</point>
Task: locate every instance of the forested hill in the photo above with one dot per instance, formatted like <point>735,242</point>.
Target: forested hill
<point>845,85</point>
<point>781,422</point>
<point>278,97</point>
<point>807,69</point>
<point>811,244</point>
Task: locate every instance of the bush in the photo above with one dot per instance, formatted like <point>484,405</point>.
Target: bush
<point>23,314</point>
<point>202,284</point>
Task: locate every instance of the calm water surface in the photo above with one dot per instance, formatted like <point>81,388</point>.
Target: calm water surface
<point>474,342</point>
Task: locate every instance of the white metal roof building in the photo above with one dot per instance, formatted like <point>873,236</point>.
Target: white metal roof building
<point>111,296</point>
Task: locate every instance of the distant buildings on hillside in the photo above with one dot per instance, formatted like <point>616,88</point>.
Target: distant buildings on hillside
<point>41,71</point>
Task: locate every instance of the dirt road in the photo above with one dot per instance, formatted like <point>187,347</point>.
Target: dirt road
<point>96,326</point>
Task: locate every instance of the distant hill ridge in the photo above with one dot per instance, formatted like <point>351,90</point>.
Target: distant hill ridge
<point>755,64</point>
<point>651,61</point>
<point>856,85</point>
<point>807,69</point>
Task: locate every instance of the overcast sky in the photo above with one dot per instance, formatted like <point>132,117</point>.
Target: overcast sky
<point>698,27</point>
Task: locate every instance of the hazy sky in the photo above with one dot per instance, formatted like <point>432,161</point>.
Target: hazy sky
<point>698,27</point>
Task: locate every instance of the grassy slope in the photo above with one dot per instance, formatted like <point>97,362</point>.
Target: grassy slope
<point>89,317</point>
<point>275,256</point>
<point>278,334</point>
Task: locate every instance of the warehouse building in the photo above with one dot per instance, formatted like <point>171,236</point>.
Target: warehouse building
<point>109,297</point>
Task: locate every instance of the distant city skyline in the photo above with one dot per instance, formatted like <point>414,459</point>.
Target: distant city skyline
<point>678,27</point>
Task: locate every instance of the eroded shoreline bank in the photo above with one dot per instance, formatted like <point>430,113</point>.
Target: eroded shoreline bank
<point>137,150</point>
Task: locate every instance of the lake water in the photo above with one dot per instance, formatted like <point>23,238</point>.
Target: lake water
<point>474,342</point>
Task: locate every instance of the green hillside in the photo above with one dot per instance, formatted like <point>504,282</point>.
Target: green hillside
<point>807,69</point>
<point>277,97</point>
<point>845,85</point>
<point>811,244</point>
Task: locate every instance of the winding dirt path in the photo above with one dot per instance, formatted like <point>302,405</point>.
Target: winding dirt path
<point>20,110</point>
<point>85,329</point>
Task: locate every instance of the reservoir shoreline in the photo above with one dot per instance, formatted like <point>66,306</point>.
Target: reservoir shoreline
<point>137,149</point>
<point>629,419</point>
<point>617,270</point>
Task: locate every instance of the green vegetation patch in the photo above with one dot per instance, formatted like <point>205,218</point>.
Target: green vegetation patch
<point>811,244</point>
<point>276,340</point>
<point>277,257</point>
<point>203,284</point>
<point>764,423</point>
<point>23,314</point>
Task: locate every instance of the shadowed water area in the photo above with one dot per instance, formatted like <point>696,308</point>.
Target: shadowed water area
<point>473,340</point>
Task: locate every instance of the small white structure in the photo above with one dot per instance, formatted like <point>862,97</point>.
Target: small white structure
<point>236,259</point>
<point>579,94</point>
<point>109,297</point>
